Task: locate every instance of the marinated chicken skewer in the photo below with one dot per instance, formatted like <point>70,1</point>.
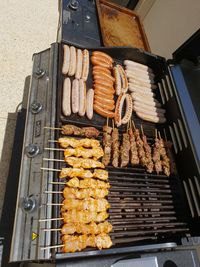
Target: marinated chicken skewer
<point>95,153</point>
<point>72,243</point>
<point>140,148</point>
<point>84,163</point>
<point>84,216</point>
<point>81,228</point>
<point>84,193</point>
<point>133,147</point>
<point>164,158</point>
<point>115,146</point>
<point>84,183</point>
<point>70,129</point>
<point>66,142</point>
<point>78,243</point>
<point>124,150</point>
<point>80,172</point>
<point>107,144</point>
<point>156,155</point>
<point>149,163</point>
<point>89,204</point>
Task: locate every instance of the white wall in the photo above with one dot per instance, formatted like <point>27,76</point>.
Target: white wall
<point>171,22</point>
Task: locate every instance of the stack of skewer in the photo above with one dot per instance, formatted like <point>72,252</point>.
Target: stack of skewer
<point>84,206</point>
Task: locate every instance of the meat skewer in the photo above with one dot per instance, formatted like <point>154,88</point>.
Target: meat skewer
<point>124,150</point>
<point>168,146</point>
<point>156,155</point>
<point>70,129</point>
<point>164,158</point>
<point>73,243</point>
<point>149,163</point>
<point>66,142</point>
<point>107,144</point>
<point>140,148</point>
<point>95,153</point>
<point>133,147</point>
<point>81,228</point>
<point>84,163</point>
<point>115,146</point>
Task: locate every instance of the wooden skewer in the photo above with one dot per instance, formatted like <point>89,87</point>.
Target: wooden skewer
<point>56,149</point>
<point>156,133</point>
<point>53,192</point>
<point>57,183</point>
<point>142,130</point>
<point>107,121</point>
<point>46,159</point>
<point>50,247</point>
<point>50,169</point>
<point>52,128</point>
<point>159,135</point>
<point>133,124</point>
<point>113,124</point>
<point>165,135</point>
<point>52,229</point>
<point>52,141</point>
<point>51,219</point>
<point>55,204</point>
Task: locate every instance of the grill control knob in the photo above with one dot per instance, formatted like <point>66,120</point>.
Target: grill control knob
<point>28,204</point>
<point>40,73</point>
<point>74,4</point>
<point>32,150</point>
<point>36,107</point>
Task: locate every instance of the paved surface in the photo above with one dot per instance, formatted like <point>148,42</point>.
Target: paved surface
<point>26,27</point>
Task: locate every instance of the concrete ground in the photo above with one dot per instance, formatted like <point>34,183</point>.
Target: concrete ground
<point>26,27</point>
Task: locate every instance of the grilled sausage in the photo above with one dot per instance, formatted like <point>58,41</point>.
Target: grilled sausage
<point>89,103</point>
<point>103,80</point>
<point>101,62</point>
<point>150,118</point>
<point>140,72</point>
<point>141,91</point>
<point>72,62</point>
<point>124,80</point>
<point>139,77</point>
<point>86,64</point>
<point>103,75</point>
<point>103,99</point>
<point>145,99</point>
<point>148,107</point>
<point>142,84</point>
<point>75,96</point>
<point>66,99</point>
<point>106,106</point>
<point>138,65</point>
<point>82,98</point>
<point>99,54</point>
<point>147,112</point>
<point>79,63</point>
<point>133,87</point>
<point>118,109</point>
<point>103,112</point>
<point>101,69</point>
<point>129,109</point>
<point>104,95</point>
<point>118,86</point>
<point>66,59</point>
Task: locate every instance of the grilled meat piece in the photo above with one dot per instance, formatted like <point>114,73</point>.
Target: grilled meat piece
<point>115,147</point>
<point>84,163</point>
<point>65,142</point>
<point>84,193</point>
<point>125,150</point>
<point>90,204</point>
<point>156,156</point>
<point>95,153</point>
<point>84,216</point>
<point>140,148</point>
<point>89,132</point>
<point>100,174</point>
<point>87,183</point>
<point>80,172</point>
<point>133,148</point>
<point>149,163</point>
<point>107,144</point>
<point>81,228</point>
<point>78,243</point>
<point>164,158</point>
<point>168,146</point>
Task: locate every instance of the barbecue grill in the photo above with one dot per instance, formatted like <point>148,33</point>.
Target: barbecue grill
<point>148,211</point>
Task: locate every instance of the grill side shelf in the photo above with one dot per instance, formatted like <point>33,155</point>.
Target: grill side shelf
<point>31,205</point>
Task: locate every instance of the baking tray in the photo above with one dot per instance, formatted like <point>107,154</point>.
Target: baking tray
<point>120,26</point>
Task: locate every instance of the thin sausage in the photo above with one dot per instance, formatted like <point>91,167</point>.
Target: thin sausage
<point>138,65</point>
<point>124,80</point>
<point>118,109</point>
<point>141,84</point>
<point>104,95</point>
<point>148,106</point>
<point>148,112</point>
<point>140,72</point>
<point>104,75</point>
<point>104,89</point>
<point>118,86</point>
<point>66,59</point>
<point>103,99</point>
<point>142,92</point>
<point>102,54</point>
<point>72,63</point>
<point>66,99</point>
<point>148,101</point>
<point>86,64</point>
<point>150,118</point>
<point>100,62</point>
<point>101,79</point>
<point>129,109</point>
<point>75,96</point>
<point>82,98</point>
<point>101,69</point>
<point>106,106</point>
<point>103,112</point>
<point>79,63</point>
<point>89,103</point>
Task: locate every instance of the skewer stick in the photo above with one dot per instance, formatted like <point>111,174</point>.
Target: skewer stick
<point>50,169</point>
<point>133,124</point>
<point>50,247</point>
<point>142,130</point>
<point>52,229</point>
<point>52,141</point>
<point>53,192</point>
<point>113,124</point>
<point>55,204</point>
<point>51,219</point>
<point>52,128</point>
<point>127,127</point>
<point>156,133</point>
<point>46,159</point>
<point>57,183</point>
<point>165,135</point>
<point>107,121</point>
<point>159,135</point>
<point>54,149</point>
